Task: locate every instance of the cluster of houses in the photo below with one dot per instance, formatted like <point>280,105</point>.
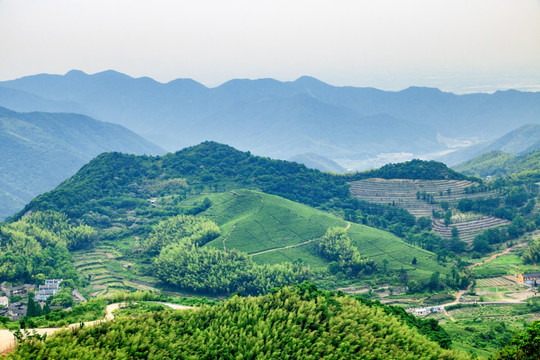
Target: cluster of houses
<point>17,310</point>
<point>529,278</point>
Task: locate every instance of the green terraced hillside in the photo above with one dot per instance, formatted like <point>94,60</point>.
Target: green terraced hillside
<point>275,230</point>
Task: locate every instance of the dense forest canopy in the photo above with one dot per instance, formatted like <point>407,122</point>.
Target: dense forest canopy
<point>37,247</point>
<point>289,323</point>
<point>415,170</point>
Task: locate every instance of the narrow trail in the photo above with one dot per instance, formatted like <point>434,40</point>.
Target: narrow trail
<point>8,341</point>
<point>447,314</point>
<point>284,248</point>
<point>494,256</point>
<point>226,237</point>
<point>293,246</point>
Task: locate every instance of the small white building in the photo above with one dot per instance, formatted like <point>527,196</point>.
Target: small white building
<point>4,301</point>
<point>428,310</point>
<point>50,288</point>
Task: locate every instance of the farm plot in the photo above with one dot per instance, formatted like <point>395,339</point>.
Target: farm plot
<point>467,229</point>
<point>505,289</point>
<point>254,222</point>
<point>107,272</point>
<point>275,230</point>
<point>507,264</point>
<point>403,193</point>
<point>495,282</point>
<point>481,330</point>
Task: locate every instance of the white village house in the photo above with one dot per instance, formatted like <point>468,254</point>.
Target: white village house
<point>50,288</point>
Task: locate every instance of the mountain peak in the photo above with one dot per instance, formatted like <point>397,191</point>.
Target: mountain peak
<point>112,74</point>
<point>309,81</point>
<point>422,90</point>
<point>75,73</point>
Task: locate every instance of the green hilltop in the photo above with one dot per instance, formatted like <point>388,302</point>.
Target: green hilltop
<point>415,170</point>
<point>269,232</point>
<point>276,230</point>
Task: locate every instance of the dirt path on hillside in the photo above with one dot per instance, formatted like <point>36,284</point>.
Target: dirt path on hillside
<point>8,341</point>
<point>226,237</point>
<point>284,248</point>
<point>293,246</point>
<point>494,256</point>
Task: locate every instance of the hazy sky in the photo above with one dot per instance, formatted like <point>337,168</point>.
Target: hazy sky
<point>457,45</point>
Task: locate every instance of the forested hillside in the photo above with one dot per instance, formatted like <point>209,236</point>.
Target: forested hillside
<point>296,323</point>
<point>498,163</point>
<point>210,166</point>
<point>39,246</point>
<point>40,150</point>
<point>414,170</point>
<point>259,241</point>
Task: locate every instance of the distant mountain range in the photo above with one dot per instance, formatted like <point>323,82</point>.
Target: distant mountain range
<point>40,150</point>
<point>279,119</point>
<point>522,140</point>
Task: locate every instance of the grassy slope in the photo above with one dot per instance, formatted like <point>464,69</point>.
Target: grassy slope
<point>253,222</point>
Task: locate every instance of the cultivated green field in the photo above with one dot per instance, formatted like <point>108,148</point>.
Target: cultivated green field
<point>275,230</point>
<point>482,330</point>
<point>508,264</point>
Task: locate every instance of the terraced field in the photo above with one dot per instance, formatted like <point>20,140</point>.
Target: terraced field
<point>403,193</point>
<point>467,229</point>
<point>108,272</point>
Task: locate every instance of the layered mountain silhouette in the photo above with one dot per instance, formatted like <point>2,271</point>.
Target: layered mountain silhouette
<point>40,150</point>
<point>278,119</point>
<point>522,140</point>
